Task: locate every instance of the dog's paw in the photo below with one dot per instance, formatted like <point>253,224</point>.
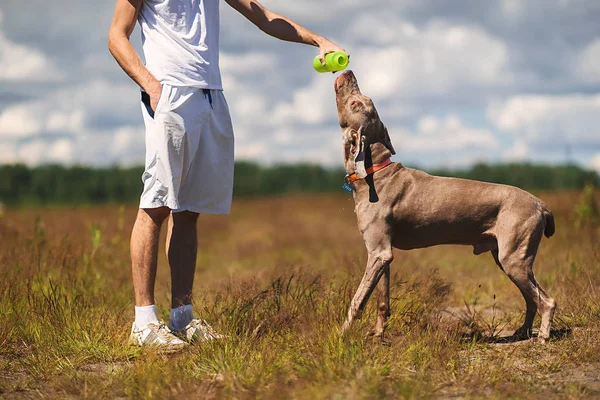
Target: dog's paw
<point>374,335</point>
<point>370,334</point>
<point>523,333</point>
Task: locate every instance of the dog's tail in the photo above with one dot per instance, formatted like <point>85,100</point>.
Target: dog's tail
<point>549,218</point>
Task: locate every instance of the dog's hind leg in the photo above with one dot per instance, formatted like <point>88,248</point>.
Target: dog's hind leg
<point>524,332</point>
<point>516,256</point>
<point>377,263</point>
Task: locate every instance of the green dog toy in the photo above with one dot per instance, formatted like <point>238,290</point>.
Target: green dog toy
<point>333,62</point>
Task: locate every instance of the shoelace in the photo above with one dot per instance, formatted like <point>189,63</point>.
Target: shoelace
<point>163,330</point>
<point>206,329</point>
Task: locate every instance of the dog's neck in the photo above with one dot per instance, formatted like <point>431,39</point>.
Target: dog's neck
<point>379,153</point>
<point>376,153</point>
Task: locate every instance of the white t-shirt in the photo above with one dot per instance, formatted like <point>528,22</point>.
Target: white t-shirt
<point>180,39</point>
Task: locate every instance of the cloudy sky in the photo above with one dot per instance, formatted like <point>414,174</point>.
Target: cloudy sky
<point>456,81</point>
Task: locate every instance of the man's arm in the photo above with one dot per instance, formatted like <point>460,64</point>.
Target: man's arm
<point>124,19</point>
<point>281,27</point>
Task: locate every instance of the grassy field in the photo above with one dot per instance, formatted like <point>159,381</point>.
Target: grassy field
<point>277,277</point>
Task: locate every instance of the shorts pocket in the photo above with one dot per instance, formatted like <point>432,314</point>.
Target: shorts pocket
<point>146,101</point>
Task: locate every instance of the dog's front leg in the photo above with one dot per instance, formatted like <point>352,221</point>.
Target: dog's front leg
<point>376,266</point>
<point>383,304</point>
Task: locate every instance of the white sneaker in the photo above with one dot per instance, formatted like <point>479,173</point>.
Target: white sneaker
<point>157,335</point>
<point>198,330</point>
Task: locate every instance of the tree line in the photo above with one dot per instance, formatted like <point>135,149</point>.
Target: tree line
<point>55,184</point>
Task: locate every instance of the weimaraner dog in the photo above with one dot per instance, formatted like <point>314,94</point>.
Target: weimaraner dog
<point>404,208</point>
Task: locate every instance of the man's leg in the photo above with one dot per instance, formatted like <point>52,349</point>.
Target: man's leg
<point>182,248</point>
<point>144,252</point>
<point>147,330</point>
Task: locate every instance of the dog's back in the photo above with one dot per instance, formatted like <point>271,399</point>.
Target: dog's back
<point>427,210</point>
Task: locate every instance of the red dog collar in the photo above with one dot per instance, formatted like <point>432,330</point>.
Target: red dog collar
<point>370,170</point>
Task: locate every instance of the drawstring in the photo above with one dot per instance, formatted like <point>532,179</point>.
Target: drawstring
<point>209,96</point>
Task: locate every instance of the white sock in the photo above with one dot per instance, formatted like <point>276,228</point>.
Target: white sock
<point>180,317</point>
<point>145,315</point>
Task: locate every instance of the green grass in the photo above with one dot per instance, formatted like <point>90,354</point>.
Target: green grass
<point>277,277</point>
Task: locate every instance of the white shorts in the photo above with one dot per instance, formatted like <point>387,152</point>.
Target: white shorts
<point>189,151</point>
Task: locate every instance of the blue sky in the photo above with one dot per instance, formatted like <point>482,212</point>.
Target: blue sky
<point>456,82</point>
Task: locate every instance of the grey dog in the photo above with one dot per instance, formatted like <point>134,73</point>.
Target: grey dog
<point>404,208</point>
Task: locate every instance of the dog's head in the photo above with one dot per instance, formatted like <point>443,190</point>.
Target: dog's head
<point>361,127</point>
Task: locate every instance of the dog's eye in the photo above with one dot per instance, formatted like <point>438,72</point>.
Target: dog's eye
<point>354,104</point>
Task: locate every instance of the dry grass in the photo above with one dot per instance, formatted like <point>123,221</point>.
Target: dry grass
<point>277,276</point>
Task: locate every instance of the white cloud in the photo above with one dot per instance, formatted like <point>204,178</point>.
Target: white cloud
<point>100,63</point>
<point>519,151</point>
<point>8,152</point>
<point>33,153</point>
<point>75,125</point>
<point>18,121</point>
<point>312,104</point>
<point>91,147</point>
<point>250,105</point>
<point>292,144</point>
<point>41,151</point>
<point>595,163</point>
<point>19,63</point>
<point>432,61</point>
<point>313,9</point>
<point>127,137</point>
<point>381,28</point>
<point>434,135</point>
<point>65,121</point>
<point>60,150</point>
<point>39,117</point>
<point>245,64</point>
<point>538,117</point>
<point>251,151</point>
<point>71,110</point>
<point>127,145</point>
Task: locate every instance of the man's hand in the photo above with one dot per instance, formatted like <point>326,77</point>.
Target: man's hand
<point>155,95</point>
<point>281,27</point>
<point>325,47</point>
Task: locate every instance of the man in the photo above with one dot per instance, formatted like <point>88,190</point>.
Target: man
<point>189,143</point>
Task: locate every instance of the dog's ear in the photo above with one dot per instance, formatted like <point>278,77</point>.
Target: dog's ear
<point>357,149</point>
<point>386,140</point>
<point>353,138</point>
